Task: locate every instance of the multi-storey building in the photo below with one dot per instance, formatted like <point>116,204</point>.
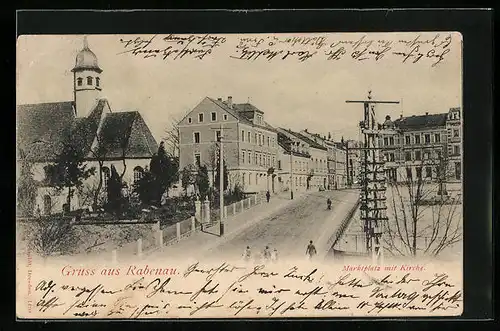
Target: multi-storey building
<point>314,173</point>
<point>353,151</point>
<point>342,164</point>
<point>250,145</point>
<point>293,164</point>
<point>422,146</point>
<point>454,138</point>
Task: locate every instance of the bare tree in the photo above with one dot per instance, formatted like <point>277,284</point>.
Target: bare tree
<point>171,135</point>
<point>424,217</point>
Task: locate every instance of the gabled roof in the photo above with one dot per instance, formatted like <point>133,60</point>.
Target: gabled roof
<point>243,112</point>
<point>305,139</point>
<point>285,142</point>
<point>43,129</point>
<point>421,121</point>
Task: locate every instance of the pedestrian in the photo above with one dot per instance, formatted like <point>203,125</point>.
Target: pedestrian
<point>267,254</point>
<point>274,255</point>
<point>247,254</point>
<point>310,250</point>
<point>268,196</point>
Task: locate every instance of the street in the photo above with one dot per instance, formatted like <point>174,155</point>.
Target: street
<point>290,228</point>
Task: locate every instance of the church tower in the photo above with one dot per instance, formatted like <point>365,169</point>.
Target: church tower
<point>87,82</point>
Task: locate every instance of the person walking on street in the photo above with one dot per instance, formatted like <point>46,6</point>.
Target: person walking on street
<point>274,255</point>
<point>247,254</point>
<point>310,250</point>
<point>268,196</point>
<point>267,254</point>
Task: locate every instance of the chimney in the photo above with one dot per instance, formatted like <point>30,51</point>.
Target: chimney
<point>219,99</point>
<point>230,102</point>
<point>426,113</point>
<point>401,116</point>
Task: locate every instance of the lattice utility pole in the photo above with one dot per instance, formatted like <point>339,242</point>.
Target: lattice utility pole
<point>373,200</point>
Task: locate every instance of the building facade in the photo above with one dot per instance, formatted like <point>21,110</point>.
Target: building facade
<point>424,146</point>
<point>314,172</point>
<point>293,165</point>
<point>106,138</point>
<point>250,144</point>
<point>342,164</point>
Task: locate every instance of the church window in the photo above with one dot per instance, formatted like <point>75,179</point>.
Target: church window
<point>89,80</point>
<point>138,173</point>
<point>97,81</point>
<point>79,81</point>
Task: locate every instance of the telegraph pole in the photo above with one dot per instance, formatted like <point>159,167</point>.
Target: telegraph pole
<point>373,198</point>
<point>221,182</point>
<point>220,140</point>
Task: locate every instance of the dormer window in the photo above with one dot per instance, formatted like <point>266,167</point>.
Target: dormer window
<point>79,81</point>
<point>97,81</point>
<point>89,80</point>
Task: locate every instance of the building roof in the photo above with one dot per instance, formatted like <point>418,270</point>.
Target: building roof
<point>417,122</point>
<point>285,143</point>
<point>244,112</point>
<point>40,132</point>
<point>310,142</point>
<point>43,129</point>
<point>86,59</point>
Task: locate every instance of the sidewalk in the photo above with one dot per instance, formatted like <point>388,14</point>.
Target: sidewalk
<point>203,242</point>
<point>329,230</point>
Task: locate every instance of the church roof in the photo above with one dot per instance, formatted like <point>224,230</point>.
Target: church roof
<point>86,59</point>
<point>43,129</point>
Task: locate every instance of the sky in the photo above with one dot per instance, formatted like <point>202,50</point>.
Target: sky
<point>293,94</point>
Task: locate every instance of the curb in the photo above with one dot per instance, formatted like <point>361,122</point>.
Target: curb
<point>334,238</point>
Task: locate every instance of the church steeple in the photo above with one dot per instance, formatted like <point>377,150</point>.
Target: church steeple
<point>87,81</point>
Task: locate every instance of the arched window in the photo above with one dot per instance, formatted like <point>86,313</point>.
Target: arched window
<point>79,81</point>
<point>89,80</point>
<point>138,172</point>
<point>97,81</point>
<point>47,204</point>
<point>244,175</point>
<point>106,174</point>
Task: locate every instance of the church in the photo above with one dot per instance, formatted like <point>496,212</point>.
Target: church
<point>106,137</point>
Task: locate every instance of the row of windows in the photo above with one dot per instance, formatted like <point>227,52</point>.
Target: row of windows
<point>255,176</point>
<point>258,138</point>
<point>106,175</point>
<point>261,159</point>
<point>428,172</point>
<point>414,156</point>
<point>79,81</point>
<point>213,117</point>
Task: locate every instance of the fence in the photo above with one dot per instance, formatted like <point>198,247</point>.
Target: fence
<point>180,230</point>
<point>356,243</point>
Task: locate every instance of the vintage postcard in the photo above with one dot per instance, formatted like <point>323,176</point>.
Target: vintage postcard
<point>239,175</point>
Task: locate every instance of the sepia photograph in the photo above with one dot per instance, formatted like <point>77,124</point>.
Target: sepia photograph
<point>239,175</point>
